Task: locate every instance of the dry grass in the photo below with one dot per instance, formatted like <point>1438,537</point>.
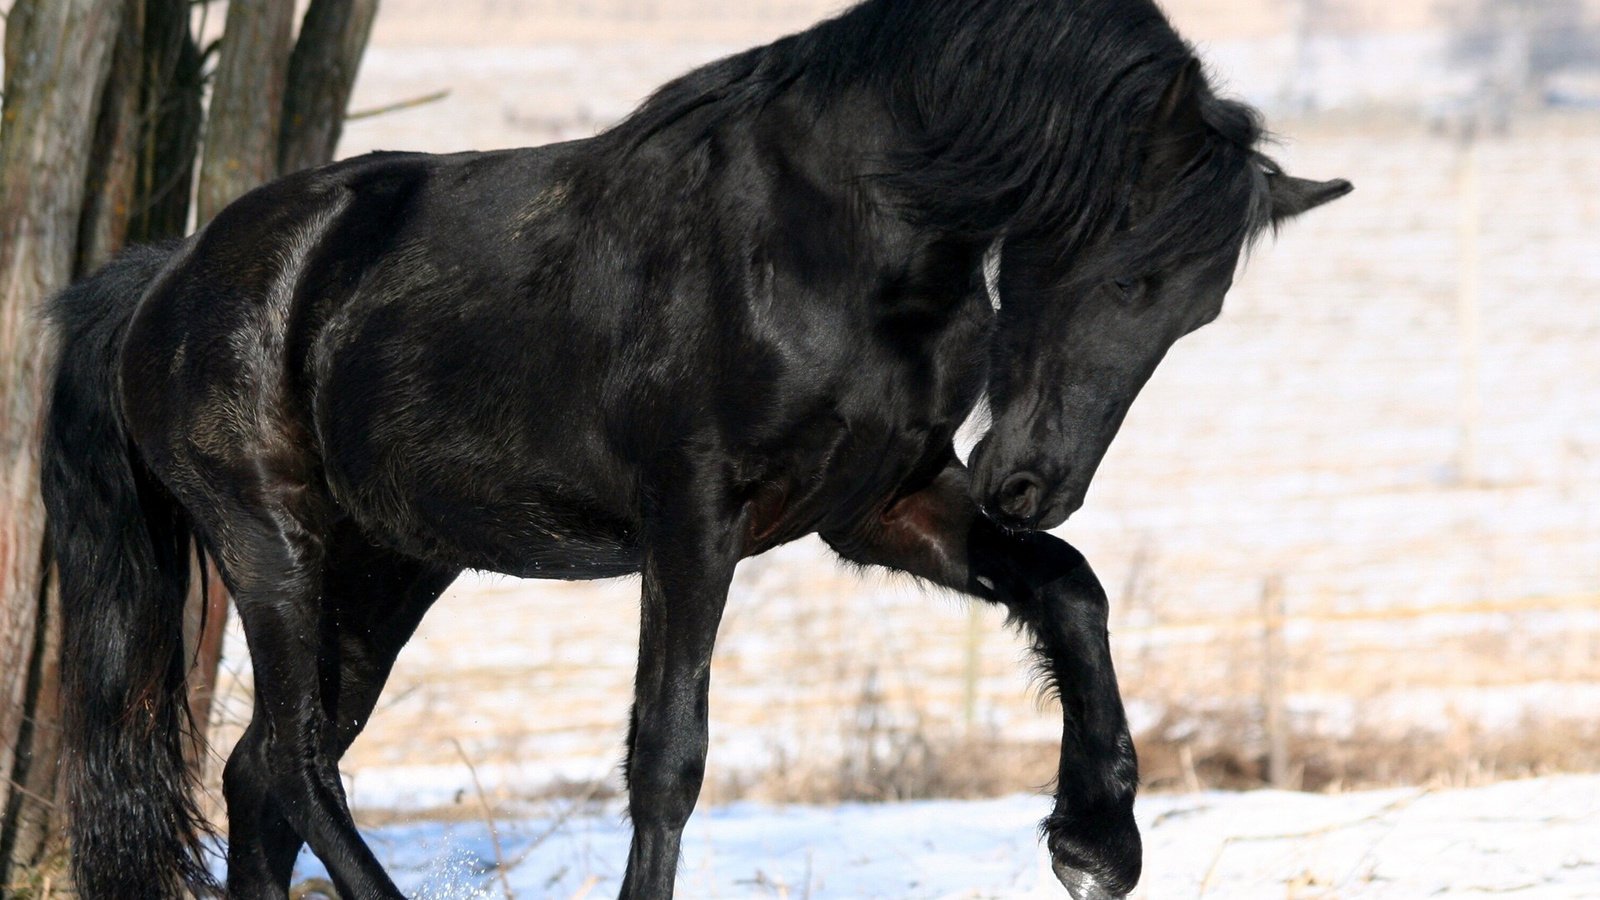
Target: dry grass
<point>904,767</point>
<point>915,766</point>
<point>568,798</point>
<point>1463,756</point>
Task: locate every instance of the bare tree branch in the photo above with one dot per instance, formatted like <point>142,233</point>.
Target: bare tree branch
<point>398,105</point>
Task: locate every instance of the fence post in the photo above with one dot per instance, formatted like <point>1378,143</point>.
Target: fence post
<point>1469,308</point>
<point>1272,690</point>
<point>971,666</point>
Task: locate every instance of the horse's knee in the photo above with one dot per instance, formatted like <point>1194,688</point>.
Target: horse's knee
<point>665,772</point>
<point>1055,589</point>
<point>665,797</point>
<point>253,825</point>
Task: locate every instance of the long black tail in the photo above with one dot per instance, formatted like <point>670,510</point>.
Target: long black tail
<point>121,546</point>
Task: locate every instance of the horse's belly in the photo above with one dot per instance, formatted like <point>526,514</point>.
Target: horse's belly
<point>522,530</point>
<point>488,479</point>
<point>460,445</point>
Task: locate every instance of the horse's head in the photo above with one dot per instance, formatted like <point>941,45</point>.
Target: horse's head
<point>1077,337</point>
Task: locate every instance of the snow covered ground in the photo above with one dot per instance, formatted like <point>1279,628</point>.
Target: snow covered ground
<point>1538,838</point>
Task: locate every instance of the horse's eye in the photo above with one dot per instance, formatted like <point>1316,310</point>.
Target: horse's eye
<point>1127,287</point>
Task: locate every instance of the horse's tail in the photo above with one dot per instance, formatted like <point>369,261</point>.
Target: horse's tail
<point>121,547</point>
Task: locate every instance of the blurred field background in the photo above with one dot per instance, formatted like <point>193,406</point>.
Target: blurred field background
<point>1351,530</point>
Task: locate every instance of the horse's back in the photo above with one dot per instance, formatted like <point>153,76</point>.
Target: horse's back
<point>356,329</point>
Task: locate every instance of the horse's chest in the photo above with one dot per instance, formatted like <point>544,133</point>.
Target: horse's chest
<point>835,472</point>
<point>882,424</point>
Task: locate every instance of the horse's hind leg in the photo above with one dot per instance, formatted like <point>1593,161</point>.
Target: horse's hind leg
<point>373,600</point>
<point>273,557</point>
<point>939,534</point>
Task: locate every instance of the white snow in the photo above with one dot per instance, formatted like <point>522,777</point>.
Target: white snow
<point>1533,838</point>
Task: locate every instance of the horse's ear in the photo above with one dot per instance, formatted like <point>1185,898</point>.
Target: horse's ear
<point>1179,109</point>
<point>1178,130</point>
<point>1292,196</point>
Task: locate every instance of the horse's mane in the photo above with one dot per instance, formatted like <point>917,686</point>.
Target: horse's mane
<point>1017,117</point>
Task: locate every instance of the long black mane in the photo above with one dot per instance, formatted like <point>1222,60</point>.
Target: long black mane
<point>1015,117</point>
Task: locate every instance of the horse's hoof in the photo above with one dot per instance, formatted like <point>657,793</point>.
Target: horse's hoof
<point>1081,885</point>
<point>1098,862</point>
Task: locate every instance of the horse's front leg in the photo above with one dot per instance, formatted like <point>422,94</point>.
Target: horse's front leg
<point>939,534</point>
<point>692,544</point>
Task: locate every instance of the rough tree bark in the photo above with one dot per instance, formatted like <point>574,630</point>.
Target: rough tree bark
<point>114,151</point>
<point>172,88</point>
<point>142,165</point>
<point>246,103</point>
<point>322,73</point>
<point>57,56</point>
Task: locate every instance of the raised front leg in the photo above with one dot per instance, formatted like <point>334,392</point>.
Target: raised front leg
<point>692,546</point>
<point>939,534</point>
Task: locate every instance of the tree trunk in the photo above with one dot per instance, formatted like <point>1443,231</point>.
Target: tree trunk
<point>205,623</point>
<point>241,145</point>
<point>322,73</point>
<point>16,30</point>
<point>114,153</point>
<point>172,117</point>
<point>57,57</point>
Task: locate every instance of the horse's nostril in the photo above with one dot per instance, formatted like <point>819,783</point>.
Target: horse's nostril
<point>1020,496</point>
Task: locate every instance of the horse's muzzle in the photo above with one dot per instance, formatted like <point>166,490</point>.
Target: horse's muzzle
<point>1021,498</point>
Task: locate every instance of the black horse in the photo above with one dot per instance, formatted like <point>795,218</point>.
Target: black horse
<point>754,310</point>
